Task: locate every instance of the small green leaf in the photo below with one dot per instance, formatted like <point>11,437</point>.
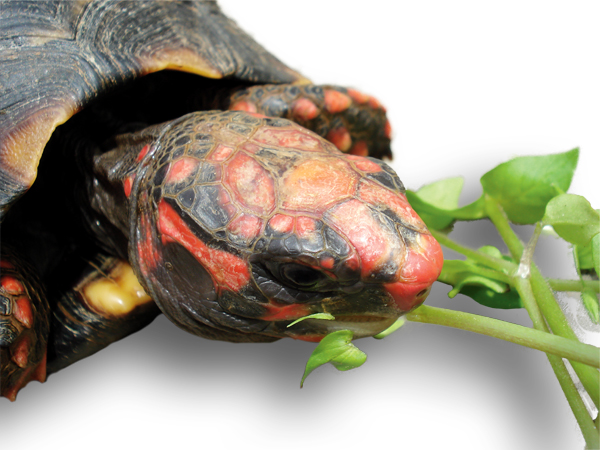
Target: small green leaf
<point>590,302</point>
<point>335,348</point>
<point>524,185</point>
<point>486,297</point>
<point>438,218</point>
<point>322,316</point>
<point>444,195</point>
<point>397,324</point>
<point>466,278</point>
<point>573,218</point>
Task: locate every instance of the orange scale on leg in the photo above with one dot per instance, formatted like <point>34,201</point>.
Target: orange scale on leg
<point>243,105</point>
<point>376,104</point>
<point>340,137</point>
<point>23,311</point>
<point>358,96</point>
<point>360,148</point>
<point>20,355</point>
<point>304,109</point>
<point>4,264</point>
<point>387,129</point>
<point>11,285</point>
<point>335,101</point>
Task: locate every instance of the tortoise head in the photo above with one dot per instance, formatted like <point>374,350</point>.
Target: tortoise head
<point>242,224</point>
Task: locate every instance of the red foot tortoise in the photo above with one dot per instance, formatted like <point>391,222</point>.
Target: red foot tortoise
<point>180,168</point>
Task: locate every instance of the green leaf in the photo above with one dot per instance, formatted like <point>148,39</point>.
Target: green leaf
<point>590,302</point>
<point>438,208</point>
<point>524,185</point>
<point>486,297</point>
<point>573,218</point>
<point>335,348</point>
<point>444,195</point>
<point>585,256</point>
<point>322,316</point>
<point>466,277</point>
<point>397,324</point>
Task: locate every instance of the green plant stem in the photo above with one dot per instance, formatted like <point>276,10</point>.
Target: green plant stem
<point>590,378</point>
<point>557,284</point>
<point>548,306</point>
<point>555,347</point>
<point>482,258</point>
<point>546,342</point>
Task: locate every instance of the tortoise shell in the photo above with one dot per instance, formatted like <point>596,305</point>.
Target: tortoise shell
<point>57,57</point>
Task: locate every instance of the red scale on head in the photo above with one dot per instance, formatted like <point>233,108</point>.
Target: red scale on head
<point>375,194</point>
<point>229,271</point>
<point>181,169</point>
<point>221,153</point>
<point>366,165</point>
<point>246,226</point>
<point>250,183</point>
<point>282,223</point>
<point>372,243</point>
<point>148,255</point>
<point>305,226</point>
<point>143,152</point>
<point>289,138</point>
<point>316,184</point>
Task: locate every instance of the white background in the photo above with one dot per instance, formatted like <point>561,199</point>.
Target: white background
<point>467,85</point>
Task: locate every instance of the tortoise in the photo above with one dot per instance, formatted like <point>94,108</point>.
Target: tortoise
<point>181,169</point>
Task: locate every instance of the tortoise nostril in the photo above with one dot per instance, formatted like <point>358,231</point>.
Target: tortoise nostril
<point>423,292</point>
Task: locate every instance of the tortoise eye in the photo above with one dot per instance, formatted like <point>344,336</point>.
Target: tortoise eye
<point>301,276</point>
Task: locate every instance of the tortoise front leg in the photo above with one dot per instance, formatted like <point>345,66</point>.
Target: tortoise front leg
<point>24,324</point>
<point>106,305</point>
<point>39,337</point>
<point>354,122</point>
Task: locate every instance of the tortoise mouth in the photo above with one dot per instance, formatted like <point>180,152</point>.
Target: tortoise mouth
<point>364,325</point>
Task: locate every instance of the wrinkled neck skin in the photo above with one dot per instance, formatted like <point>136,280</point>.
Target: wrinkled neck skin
<point>237,225</point>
